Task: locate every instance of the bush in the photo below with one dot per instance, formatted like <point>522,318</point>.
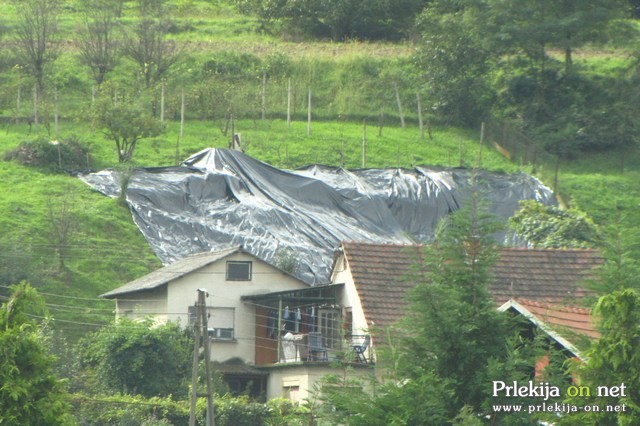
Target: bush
<point>138,410</point>
<point>67,155</point>
<point>232,64</point>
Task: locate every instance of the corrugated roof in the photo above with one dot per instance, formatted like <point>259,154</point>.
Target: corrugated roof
<point>546,275</point>
<point>171,272</point>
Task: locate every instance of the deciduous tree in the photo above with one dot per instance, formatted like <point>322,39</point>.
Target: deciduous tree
<point>124,122</point>
<point>36,36</point>
<point>98,44</point>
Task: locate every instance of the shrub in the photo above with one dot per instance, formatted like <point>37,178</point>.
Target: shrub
<point>59,156</point>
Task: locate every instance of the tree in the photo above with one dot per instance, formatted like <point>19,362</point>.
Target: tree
<point>621,269</point>
<point>455,63</point>
<point>62,225</point>
<point>453,332</point>
<point>125,123</point>
<point>97,42</point>
<point>36,33</point>
<point>148,45</point>
<point>551,227</point>
<point>613,360</point>
<point>30,393</point>
<point>140,358</point>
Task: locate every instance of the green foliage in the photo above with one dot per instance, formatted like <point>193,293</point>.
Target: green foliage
<point>339,19</point>
<point>126,123</point>
<point>613,360</point>
<point>140,358</point>
<point>30,393</point>
<point>551,227</point>
<point>621,269</point>
<point>133,410</point>
<point>455,64</point>
<point>66,155</point>
<point>453,321</point>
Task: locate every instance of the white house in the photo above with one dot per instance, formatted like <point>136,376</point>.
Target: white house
<point>267,329</point>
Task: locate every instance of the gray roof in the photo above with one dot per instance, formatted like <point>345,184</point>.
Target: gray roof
<point>171,272</point>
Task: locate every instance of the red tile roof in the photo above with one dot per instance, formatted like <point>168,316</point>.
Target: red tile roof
<point>544,275</point>
<point>562,318</point>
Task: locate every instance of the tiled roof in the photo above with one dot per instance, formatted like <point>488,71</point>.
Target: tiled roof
<point>171,272</point>
<point>544,275</point>
<point>562,318</point>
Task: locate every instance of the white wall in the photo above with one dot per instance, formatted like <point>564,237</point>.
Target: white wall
<point>144,304</point>
<point>350,298</point>
<point>182,293</point>
<point>284,378</point>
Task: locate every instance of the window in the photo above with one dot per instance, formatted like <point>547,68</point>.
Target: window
<point>238,271</point>
<point>329,326</point>
<point>220,322</point>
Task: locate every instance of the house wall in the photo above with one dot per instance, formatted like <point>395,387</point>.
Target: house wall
<point>182,293</point>
<point>342,274</point>
<point>151,303</point>
<point>300,382</point>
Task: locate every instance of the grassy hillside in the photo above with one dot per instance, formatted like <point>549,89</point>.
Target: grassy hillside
<point>221,71</point>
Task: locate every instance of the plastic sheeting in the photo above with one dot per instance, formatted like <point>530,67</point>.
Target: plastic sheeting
<point>219,198</point>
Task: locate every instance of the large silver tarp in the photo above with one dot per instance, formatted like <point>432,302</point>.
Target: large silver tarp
<point>219,198</point>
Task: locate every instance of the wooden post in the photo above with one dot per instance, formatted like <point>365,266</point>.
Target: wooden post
<point>194,366</point>
<point>364,143</point>
<point>201,337</point>
<point>289,103</point>
<point>18,99</point>
<point>395,86</point>
<point>481,144</point>
<point>233,132</point>
<point>162,89</point>
<point>36,120</point>
<point>207,357</point>
<point>181,126</point>
<point>264,94</point>
<point>55,115</point>
<point>420,124</point>
<point>555,175</point>
<point>309,114</point>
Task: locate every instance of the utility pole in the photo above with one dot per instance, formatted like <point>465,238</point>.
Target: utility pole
<point>201,338</point>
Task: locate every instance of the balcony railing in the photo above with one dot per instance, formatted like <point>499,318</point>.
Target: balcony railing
<point>312,347</point>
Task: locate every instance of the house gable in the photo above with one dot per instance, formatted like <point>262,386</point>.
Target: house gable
<point>563,324</point>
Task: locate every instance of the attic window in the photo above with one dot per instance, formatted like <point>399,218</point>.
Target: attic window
<point>238,271</point>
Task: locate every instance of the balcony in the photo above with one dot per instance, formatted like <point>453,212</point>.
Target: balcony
<point>306,325</point>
